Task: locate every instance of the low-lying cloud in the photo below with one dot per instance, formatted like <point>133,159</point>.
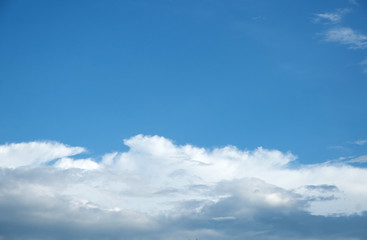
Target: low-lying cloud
<point>160,190</point>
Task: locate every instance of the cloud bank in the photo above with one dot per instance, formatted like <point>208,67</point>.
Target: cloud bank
<point>160,190</point>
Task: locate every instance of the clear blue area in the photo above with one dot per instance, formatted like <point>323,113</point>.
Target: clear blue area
<point>205,72</point>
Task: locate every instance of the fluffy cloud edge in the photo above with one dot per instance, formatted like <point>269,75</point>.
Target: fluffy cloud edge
<point>158,185</point>
<point>35,153</point>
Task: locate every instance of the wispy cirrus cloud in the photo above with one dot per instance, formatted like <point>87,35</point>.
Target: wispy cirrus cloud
<point>360,159</point>
<point>160,190</point>
<point>331,17</point>
<point>360,141</point>
<point>341,34</point>
<point>347,36</point>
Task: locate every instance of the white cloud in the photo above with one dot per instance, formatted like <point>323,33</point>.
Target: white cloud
<point>34,153</point>
<point>156,168</point>
<point>331,17</point>
<point>165,165</point>
<point>359,142</point>
<point>157,183</point>
<point>343,35</point>
<point>360,159</point>
<point>86,164</point>
<point>347,36</point>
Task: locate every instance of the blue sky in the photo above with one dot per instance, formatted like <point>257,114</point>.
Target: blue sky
<point>209,73</point>
<point>81,80</point>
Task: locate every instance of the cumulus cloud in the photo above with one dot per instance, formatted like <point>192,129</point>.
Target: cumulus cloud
<point>160,190</point>
<point>347,36</point>
<point>66,163</point>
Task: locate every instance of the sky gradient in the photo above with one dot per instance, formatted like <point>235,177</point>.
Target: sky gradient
<point>183,119</point>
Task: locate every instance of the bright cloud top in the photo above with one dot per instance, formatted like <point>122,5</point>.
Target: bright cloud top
<point>156,176</point>
<point>34,153</point>
<point>156,168</point>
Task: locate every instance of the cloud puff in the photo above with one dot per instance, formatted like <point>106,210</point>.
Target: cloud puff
<point>160,190</point>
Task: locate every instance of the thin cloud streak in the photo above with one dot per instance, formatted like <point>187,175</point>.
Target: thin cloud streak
<point>360,159</point>
<point>347,36</point>
<point>342,35</point>
<point>359,142</point>
<point>331,17</point>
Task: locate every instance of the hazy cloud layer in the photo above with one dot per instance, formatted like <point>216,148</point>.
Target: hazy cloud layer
<point>160,190</point>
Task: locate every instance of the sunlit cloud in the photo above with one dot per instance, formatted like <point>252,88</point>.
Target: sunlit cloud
<point>156,183</point>
<point>34,153</point>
